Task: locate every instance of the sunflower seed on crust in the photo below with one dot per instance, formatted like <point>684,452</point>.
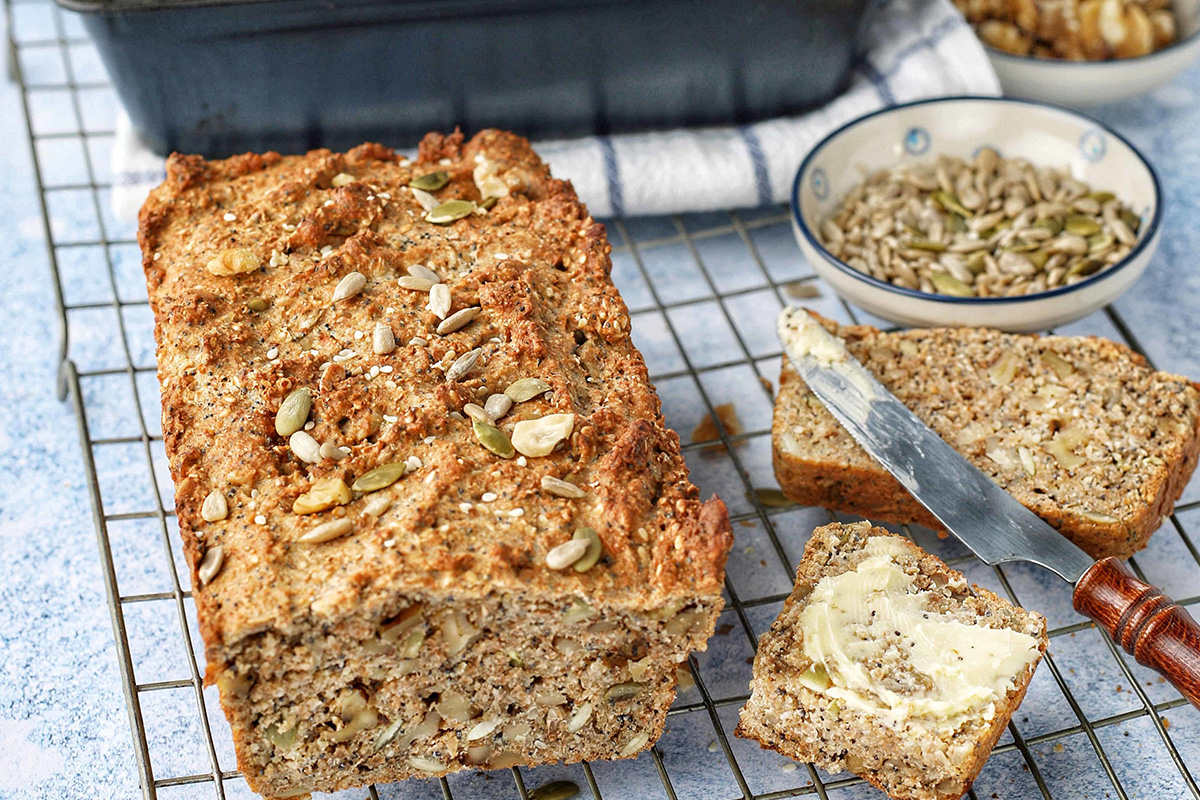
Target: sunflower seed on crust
<point>416,284</point>
<point>422,271</point>
<point>428,202</point>
<point>459,319</point>
<point>214,507</point>
<point>497,405</point>
<point>477,412</point>
<point>561,488</point>
<point>234,261</point>
<point>463,364</point>
<point>439,300</point>
<point>327,531</point>
<point>377,505</point>
<point>383,341</point>
<point>566,554</point>
<point>333,452</point>
<point>305,447</point>
<point>210,565</point>
<point>349,286</point>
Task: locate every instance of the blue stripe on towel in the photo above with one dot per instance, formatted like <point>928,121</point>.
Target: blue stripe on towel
<point>762,176</point>
<point>878,80</point>
<point>612,173</point>
<point>928,42</point>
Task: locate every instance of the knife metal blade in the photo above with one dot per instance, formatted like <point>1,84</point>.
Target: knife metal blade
<point>972,507</point>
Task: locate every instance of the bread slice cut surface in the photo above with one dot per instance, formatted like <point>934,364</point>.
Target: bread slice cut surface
<point>886,663</point>
<point>1078,429</point>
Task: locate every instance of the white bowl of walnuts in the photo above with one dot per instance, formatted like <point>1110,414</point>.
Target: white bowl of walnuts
<point>1085,52</point>
<point>977,211</point>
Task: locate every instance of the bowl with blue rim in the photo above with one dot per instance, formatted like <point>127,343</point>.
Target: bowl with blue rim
<point>906,139</point>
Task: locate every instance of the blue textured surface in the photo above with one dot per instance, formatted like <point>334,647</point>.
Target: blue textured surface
<point>64,729</point>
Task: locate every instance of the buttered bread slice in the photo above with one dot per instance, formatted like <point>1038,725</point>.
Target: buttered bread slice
<point>886,663</point>
<point>1079,429</point>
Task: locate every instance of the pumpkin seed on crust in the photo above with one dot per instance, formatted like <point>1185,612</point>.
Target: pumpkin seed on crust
<point>450,211</point>
<point>595,548</point>
<point>293,411</point>
<point>493,439</point>
<point>526,389</point>
<point>430,181</point>
<point>381,477</point>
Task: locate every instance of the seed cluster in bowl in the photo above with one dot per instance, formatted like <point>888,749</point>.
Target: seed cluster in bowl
<point>1074,30</point>
<point>989,227</point>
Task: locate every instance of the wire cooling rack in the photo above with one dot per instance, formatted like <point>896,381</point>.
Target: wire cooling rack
<point>703,291</point>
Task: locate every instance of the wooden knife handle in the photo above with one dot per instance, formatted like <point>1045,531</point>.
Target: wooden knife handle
<point>1148,624</point>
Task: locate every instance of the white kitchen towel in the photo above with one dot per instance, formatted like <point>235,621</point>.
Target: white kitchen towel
<point>913,49</point>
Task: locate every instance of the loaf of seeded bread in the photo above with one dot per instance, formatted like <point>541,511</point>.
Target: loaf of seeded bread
<point>1078,429</point>
<point>887,663</point>
<point>433,516</point>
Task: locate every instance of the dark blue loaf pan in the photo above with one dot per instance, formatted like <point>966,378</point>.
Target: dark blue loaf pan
<point>215,76</point>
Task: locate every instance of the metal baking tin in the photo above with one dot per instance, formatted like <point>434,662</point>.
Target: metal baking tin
<point>222,76</point>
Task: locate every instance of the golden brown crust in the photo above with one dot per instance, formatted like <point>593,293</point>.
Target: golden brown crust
<point>785,716</point>
<point>539,268</point>
<point>210,343</point>
<point>1107,513</point>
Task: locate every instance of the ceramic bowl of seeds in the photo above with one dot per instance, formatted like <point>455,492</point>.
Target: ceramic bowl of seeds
<point>1085,52</point>
<point>969,211</point>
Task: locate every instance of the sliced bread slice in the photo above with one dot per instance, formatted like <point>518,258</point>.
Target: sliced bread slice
<point>887,663</point>
<point>1079,429</point>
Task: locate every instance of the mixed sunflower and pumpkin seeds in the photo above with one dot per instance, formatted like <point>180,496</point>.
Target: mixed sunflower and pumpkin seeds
<point>530,438</point>
<point>985,227</point>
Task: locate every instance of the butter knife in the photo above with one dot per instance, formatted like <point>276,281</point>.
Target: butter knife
<point>1149,625</point>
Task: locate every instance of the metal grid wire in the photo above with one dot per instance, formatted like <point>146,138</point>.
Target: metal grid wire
<point>635,244</point>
